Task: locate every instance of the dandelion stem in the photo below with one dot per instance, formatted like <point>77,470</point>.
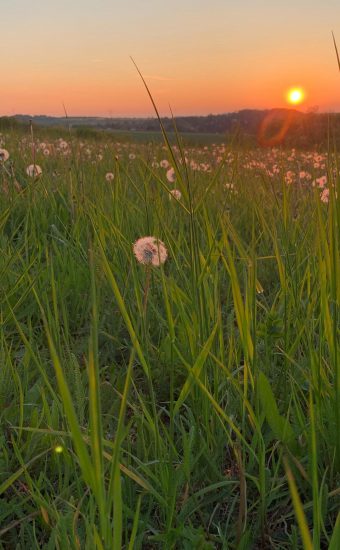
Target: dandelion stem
<point>146,289</point>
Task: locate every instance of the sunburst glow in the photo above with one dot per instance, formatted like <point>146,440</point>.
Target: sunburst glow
<point>295,96</point>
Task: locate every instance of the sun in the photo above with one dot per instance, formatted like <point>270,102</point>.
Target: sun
<point>295,96</point>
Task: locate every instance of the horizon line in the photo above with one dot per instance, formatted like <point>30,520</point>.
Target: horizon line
<point>148,116</point>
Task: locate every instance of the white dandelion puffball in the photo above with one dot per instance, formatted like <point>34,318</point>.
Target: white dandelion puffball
<point>321,181</point>
<point>176,193</point>
<point>150,251</point>
<point>63,144</point>
<point>109,176</point>
<point>325,196</point>
<point>170,175</point>
<point>33,171</point>
<point>4,155</point>
<point>164,164</point>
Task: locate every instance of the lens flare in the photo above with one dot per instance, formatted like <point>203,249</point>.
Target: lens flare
<point>295,96</point>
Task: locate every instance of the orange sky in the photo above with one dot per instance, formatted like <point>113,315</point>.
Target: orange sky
<point>199,57</point>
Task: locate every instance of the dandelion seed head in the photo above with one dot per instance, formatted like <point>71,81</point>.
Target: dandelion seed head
<point>170,175</point>
<point>4,155</point>
<point>164,163</point>
<point>176,193</point>
<point>33,171</point>
<point>63,144</point>
<point>324,196</point>
<point>150,251</point>
<point>109,176</point>
<point>321,181</point>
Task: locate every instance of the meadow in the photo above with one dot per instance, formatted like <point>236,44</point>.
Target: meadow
<point>193,404</point>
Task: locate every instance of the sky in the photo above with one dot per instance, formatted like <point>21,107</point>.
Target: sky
<point>199,57</point>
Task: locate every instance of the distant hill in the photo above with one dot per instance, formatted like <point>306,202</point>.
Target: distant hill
<point>268,127</point>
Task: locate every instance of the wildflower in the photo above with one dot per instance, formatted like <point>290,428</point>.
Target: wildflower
<point>176,193</point>
<point>109,176</point>
<point>4,155</point>
<point>170,175</point>
<point>164,164</point>
<point>150,251</point>
<point>132,156</point>
<point>46,152</point>
<point>33,171</point>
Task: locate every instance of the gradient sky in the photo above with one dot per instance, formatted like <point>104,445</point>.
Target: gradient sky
<point>201,57</point>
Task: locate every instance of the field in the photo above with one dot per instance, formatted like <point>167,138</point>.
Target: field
<point>193,404</point>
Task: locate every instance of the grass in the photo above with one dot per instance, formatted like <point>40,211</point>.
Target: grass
<point>204,416</point>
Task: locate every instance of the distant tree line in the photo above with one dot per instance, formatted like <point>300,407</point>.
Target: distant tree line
<point>264,127</point>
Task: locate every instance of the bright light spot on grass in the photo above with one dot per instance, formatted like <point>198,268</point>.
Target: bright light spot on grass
<point>58,449</point>
<point>295,96</point>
